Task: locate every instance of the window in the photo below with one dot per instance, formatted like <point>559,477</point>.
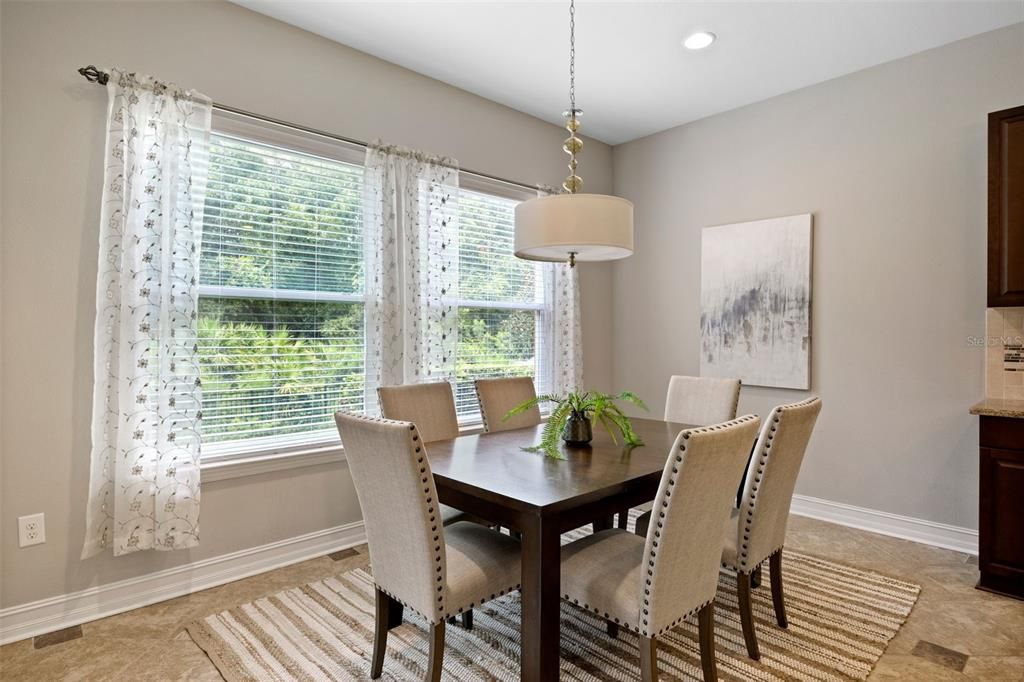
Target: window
<point>502,314</point>
<point>280,325</point>
<point>281,291</point>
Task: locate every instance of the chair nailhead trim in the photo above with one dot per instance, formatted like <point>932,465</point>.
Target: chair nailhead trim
<point>480,602</point>
<point>602,614</point>
<point>652,560</point>
<point>762,463</point>
<point>428,500</point>
<point>483,412</point>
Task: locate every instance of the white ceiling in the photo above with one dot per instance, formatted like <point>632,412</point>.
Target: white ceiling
<point>633,77</point>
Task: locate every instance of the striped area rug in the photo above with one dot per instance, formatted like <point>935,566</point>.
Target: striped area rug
<point>840,621</point>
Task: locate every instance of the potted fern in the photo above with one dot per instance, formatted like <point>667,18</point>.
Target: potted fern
<point>573,415</point>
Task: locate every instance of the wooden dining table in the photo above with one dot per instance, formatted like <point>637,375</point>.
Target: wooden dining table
<point>491,476</point>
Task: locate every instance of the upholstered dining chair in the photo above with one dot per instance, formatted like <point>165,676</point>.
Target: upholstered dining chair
<point>701,400</point>
<point>430,406</point>
<point>756,531</point>
<point>498,396</point>
<point>650,584</point>
<point>437,571</point>
<point>696,401</point>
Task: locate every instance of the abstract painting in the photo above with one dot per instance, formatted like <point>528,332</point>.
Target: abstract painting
<point>755,302</point>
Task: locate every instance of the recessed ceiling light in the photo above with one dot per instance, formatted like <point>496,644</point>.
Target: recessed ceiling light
<point>699,40</point>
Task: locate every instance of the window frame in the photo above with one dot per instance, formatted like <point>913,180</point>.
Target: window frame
<point>254,456</point>
<point>250,456</point>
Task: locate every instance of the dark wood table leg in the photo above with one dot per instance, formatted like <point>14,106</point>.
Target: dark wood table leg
<point>542,556</point>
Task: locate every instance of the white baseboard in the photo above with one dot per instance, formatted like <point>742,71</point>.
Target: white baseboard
<point>46,615</point>
<point>904,527</point>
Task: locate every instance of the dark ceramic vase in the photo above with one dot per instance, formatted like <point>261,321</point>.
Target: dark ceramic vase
<point>577,430</point>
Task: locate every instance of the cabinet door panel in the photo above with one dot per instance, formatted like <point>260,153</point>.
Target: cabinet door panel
<point>1006,208</point>
<point>1002,512</point>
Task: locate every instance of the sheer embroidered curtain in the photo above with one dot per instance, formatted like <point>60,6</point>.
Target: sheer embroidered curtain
<point>566,328</point>
<point>410,214</point>
<point>144,483</point>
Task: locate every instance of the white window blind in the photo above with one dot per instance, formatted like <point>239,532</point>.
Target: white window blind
<point>281,296</point>
<point>502,316</point>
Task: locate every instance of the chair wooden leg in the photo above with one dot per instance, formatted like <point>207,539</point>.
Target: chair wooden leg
<point>648,659</point>
<point>436,659</point>
<point>706,626</point>
<point>624,518</point>
<point>395,612</point>
<point>380,633</point>
<point>747,614</point>
<point>467,619</point>
<point>777,595</point>
<point>755,578</point>
<point>612,628</point>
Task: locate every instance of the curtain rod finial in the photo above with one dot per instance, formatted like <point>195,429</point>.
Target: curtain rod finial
<point>94,75</point>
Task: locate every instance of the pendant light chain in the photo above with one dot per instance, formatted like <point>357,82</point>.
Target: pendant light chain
<point>572,55</point>
<point>572,144</point>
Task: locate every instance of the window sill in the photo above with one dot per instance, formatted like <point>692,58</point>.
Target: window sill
<point>255,463</point>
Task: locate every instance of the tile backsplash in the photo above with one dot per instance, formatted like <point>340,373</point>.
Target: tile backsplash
<point>1004,354</point>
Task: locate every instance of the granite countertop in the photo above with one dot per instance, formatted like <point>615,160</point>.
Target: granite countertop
<point>999,407</point>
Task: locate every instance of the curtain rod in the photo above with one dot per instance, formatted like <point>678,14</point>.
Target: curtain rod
<point>100,77</point>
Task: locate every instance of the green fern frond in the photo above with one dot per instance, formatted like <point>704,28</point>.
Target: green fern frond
<point>524,406</point>
<point>608,422</point>
<point>631,397</point>
<point>598,407</point>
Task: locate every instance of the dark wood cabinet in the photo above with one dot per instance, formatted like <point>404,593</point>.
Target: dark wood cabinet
<point>1001,518</point>
<point>1006,208</point>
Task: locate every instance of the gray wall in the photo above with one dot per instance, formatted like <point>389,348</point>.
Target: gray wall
<point>52,140</point>
<point>892,163</point>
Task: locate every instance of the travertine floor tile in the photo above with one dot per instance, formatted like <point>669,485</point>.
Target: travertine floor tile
<point>906,668</point>
<point>995,668</point>
<point>974,628</point>
<point>84,659</point>
<point>15,649</point>
<point>179,660</point>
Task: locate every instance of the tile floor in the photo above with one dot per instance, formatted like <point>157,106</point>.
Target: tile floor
<point>954,633</point>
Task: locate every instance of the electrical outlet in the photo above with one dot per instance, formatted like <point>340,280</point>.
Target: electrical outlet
<point>31,530</point>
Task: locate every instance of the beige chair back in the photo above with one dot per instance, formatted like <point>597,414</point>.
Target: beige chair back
<point>701,400</point>
<point>396,493</point>
<point>684,540</point>
<point>431,407</point>
<point>498,396</point>
<point>771,478</point>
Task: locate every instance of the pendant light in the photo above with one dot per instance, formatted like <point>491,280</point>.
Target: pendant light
<point>574,226</point>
